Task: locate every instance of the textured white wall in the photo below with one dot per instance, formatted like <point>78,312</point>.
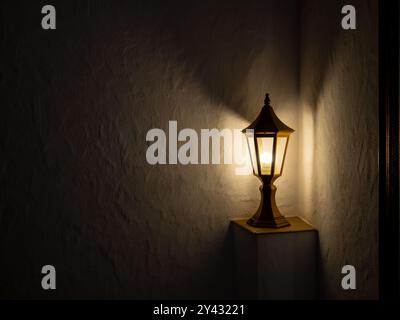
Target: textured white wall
<point>339,142</point>
<point>76,190</point>
<point>80,194</point>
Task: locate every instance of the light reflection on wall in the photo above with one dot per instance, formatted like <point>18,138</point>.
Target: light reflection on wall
<point>306,163</point>
<point>239,175</point>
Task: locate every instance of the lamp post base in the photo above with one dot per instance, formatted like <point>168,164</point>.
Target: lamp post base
<point>268,215</point>
<point>279,222</point>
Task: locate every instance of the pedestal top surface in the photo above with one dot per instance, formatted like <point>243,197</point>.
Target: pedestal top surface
<point>296,225</point>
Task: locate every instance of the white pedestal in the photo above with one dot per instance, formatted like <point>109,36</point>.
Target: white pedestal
<point>275,263</point>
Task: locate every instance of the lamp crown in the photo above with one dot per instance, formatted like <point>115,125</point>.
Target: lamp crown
<point>267,121</point>
<point>267,100</point>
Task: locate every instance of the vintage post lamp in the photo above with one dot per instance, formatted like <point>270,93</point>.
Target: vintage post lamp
<point>267,139</point>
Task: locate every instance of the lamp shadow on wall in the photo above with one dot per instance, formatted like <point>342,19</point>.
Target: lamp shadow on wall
<point>220,43</point>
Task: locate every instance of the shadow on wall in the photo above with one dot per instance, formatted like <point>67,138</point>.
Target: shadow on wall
<point>317,60</point>
<point>231,48</point>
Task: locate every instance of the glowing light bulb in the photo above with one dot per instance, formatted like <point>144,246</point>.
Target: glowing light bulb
<point>266,158</point>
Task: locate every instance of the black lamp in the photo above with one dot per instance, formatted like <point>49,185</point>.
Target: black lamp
<point>267,139</point>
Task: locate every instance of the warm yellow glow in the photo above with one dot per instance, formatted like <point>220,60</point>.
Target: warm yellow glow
<point>266,158</point>
<point>265,147</point>
<point>280,154</point>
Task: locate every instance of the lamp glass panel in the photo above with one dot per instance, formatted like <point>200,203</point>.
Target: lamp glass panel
<point>265,151</point>
<point>280,154</point>
<point>252,151</point>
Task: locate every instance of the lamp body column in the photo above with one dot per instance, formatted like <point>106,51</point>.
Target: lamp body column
<point>267,214</point>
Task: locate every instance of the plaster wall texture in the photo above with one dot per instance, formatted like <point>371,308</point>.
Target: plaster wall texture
<point>339,142</point>
<point>76,190</point>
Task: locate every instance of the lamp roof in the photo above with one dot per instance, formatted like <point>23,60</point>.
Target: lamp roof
<point>267,121</point>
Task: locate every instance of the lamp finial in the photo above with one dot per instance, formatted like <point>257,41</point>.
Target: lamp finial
<point>267,101</point>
